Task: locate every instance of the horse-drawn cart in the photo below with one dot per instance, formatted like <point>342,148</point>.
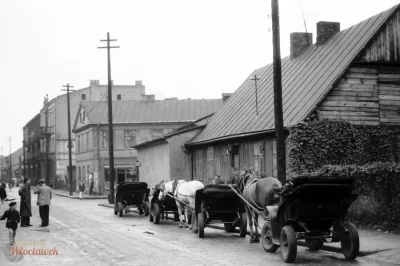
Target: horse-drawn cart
<point>160,208</point>
<point>313,209</point>
<point>131,194</point>
<point>216,204</point>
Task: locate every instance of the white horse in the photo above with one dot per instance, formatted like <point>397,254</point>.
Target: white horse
<point>184,193</point>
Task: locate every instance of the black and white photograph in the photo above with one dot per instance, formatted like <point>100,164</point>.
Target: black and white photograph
<point>198,133</point>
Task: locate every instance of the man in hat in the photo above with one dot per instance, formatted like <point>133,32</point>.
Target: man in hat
<point>43,201</point>
<point>81,189</point>
<point>25,208</point>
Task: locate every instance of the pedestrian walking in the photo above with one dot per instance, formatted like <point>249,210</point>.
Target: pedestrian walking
<point>91,185</point>
<point>9,185</point>
<point>25,207</point>
<point>43,201</point>
<point>81,189</point>
<point>3,196</point>
<point>13,218</point>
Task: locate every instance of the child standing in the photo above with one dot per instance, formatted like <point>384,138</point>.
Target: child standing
<point>13,219</point>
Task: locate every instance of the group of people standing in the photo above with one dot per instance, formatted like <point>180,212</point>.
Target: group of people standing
<point>14,217</point>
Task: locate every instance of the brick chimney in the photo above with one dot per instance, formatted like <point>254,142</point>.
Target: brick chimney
<point>325,30</point>
<point>225,96</point>
<point>298,42</point>
<point>94,82</point>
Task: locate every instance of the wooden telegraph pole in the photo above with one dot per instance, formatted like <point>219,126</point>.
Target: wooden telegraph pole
<point>110,119</point>
<point>280,137</point>
<point>69,138</point>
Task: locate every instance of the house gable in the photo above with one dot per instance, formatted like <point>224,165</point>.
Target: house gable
<point>81,119</point>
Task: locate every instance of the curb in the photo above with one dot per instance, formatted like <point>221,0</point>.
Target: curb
<point>76,197</point>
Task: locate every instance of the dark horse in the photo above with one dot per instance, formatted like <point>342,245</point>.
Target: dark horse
<point>259,193</point>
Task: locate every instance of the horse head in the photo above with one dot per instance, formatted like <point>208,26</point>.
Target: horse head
<point>245,177</point>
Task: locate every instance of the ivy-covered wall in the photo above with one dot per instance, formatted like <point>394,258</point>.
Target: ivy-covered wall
<point>371,154</point>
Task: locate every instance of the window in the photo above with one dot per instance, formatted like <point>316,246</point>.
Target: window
<point>199,165</point>
<point>258,152</point>
<point>210,162</point>
<point>83,97</point>
<point>130,138</point>
<point>87,141</point>
<point>119,97</point>
<point>105,139</point>
<point>84,173</point>
<point>79,173</point>
<point>78,139</point>
<point>88,169</point>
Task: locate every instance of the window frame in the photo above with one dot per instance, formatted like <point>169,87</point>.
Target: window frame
<point>132,142</point>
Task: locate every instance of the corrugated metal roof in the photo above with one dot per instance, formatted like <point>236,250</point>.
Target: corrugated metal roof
<point>306,80</point>
<point>165,111</point>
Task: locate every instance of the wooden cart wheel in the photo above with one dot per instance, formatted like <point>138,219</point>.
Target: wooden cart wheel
<point>288,244</point>
<point>243,225</point>
<point>350,242</point>
<point>314,244</point>
<point>156,213</point>
<point>266,238</point>
<point>200,221</point>
<point>195,225</point>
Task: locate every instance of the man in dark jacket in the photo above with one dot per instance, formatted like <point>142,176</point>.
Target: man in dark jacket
<point>25,206</point>
<point>91,186</point>
<point>3,196</point>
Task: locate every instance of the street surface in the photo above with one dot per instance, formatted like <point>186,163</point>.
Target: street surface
<point>84,233</point>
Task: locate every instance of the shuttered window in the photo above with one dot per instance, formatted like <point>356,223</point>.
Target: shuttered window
<point>210,162</point>
<point>199,165</point>
<point>258,155</point>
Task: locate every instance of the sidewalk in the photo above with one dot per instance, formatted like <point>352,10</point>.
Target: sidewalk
<point>378,247</point>
<point>75,195</point>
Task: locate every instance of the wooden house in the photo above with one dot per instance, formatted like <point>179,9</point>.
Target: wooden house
<point>165,157</point>
<point>351,75</point>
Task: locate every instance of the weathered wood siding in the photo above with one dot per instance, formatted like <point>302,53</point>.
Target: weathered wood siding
<point>366,95</point>
<point>385,46</point>
<point>221,164</point>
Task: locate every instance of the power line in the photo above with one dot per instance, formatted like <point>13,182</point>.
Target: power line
<point>304,20</point>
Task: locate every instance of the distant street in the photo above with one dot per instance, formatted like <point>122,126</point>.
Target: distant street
<point>87,234</point>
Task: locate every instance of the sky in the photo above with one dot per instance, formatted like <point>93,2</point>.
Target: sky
<point>178,48</point>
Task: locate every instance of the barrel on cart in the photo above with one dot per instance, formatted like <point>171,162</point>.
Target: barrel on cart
<point>131,194</point>
<point>160,208</point>
<point>219,204</point>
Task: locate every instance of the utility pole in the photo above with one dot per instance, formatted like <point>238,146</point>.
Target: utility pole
<point>47,143</point>
<point>255,78</point>
<point>69,138</point>
<point>110,119</point>
<point>280,135</point>
<point>10,160</point>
